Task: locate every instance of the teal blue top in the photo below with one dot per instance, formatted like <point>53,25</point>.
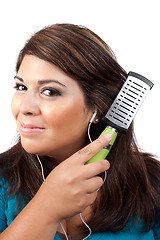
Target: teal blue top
<point>131,231</point>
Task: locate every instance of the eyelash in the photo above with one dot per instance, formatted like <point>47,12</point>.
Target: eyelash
<point>53,91</point>
<point>17,87</point>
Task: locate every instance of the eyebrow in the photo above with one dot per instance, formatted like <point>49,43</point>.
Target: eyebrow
<point>42,81</point>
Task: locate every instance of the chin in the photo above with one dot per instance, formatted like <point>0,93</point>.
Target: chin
<point>31,148</point>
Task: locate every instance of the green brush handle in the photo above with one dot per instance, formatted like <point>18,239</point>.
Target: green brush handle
<point>104,152</point>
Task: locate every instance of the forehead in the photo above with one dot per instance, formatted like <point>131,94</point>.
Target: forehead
<point>34,68</point>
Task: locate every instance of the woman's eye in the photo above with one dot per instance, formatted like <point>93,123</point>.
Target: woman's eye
<point>50,92</point>
<point>20,87</point>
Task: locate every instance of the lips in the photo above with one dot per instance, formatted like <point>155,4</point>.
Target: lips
<point>27,128</point>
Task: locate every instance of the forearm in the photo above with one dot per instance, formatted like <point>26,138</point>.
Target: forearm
<point>32,223</point>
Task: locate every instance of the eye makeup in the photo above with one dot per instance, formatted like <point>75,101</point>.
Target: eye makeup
<point>50,92</point>
<point>20,87</point>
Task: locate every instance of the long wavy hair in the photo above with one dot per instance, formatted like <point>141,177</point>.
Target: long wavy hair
<point>133,180</point>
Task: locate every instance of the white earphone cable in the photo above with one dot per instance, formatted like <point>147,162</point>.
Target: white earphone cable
<point>64,231</point>
<point>90,231</point>
<point>105,176</point>
<point>42,172</point>
<point>89,136</point>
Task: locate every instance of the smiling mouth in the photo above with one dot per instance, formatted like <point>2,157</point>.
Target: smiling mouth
<point>30,129</point>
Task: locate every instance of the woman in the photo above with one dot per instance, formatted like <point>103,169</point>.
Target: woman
<point>64,73</point>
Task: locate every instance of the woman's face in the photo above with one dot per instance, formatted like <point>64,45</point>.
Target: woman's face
<point>49,109</point>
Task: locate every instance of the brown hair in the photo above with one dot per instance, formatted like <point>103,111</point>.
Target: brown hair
<point>132,184</point>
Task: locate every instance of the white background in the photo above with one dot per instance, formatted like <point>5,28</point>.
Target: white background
<point>131,28</point>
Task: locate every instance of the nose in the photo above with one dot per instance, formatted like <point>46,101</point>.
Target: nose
<point>29,104</point>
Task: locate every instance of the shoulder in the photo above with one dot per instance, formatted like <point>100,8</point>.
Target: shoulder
<point>134,229</point>
<point>3,191</point>
<point>9,205</point>
<point>3,187</point>
<point>112,235</point>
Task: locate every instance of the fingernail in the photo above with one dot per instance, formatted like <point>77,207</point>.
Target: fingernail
<point>108,136</point>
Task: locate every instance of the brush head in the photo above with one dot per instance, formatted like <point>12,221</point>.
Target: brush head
<point>127,102</point>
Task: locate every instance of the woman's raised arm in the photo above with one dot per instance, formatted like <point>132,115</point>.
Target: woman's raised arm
<point>67,191</point>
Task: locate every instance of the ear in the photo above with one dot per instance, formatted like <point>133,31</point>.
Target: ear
<point>97,117</point>
<point>96,120</point>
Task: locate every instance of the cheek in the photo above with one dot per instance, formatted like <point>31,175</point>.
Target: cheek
<point>68,117</point>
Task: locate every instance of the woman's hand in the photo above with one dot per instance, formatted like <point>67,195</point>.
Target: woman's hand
<point>67,191</point>
<point>72,185</point>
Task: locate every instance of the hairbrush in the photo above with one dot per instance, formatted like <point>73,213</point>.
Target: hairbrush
<point>123,109</point>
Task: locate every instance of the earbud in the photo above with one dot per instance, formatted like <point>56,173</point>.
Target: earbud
<point>93,116</point>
